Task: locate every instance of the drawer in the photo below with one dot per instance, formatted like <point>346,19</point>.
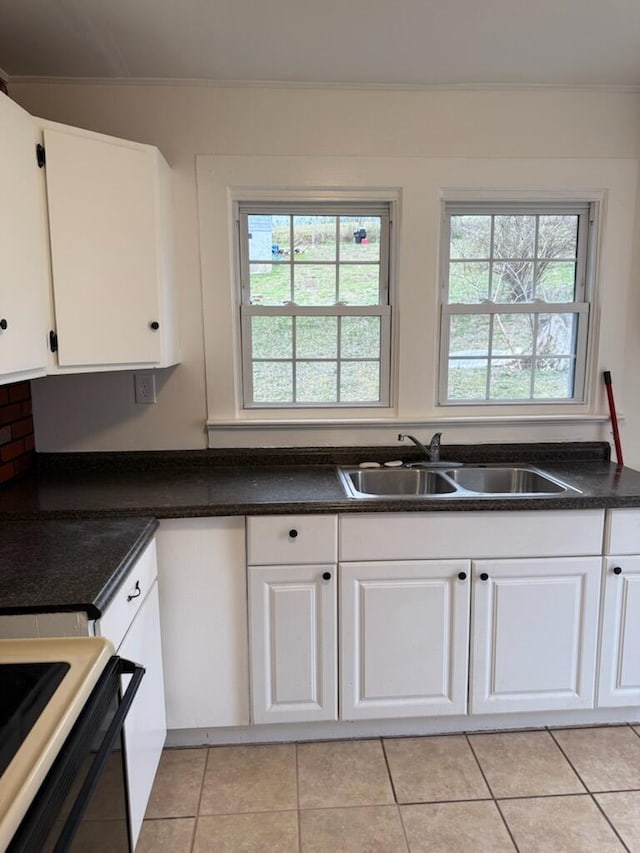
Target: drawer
<point>473,535</point>
<point>622,531</point>
<point>282,539</point>
<point>129,598</point>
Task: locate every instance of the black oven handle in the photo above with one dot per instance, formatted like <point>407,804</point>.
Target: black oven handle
<point>110,737</point>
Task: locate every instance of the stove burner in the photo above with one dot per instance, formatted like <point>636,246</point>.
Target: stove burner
<point>25,689</point>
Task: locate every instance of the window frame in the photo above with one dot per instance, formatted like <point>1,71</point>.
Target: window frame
<point>247,310</point>
<point>581,305</point>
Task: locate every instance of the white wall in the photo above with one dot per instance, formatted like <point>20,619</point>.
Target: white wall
<point>595,134</point>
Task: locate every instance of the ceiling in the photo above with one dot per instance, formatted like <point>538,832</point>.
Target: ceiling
<point>393,42</point>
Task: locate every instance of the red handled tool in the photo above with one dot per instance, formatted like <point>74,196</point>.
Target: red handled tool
<point>614,416</point>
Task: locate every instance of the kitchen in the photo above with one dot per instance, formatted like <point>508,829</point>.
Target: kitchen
<point>417,140</point>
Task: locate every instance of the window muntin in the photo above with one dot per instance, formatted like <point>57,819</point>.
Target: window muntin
<point>315,309</point>
<point>514,314</point>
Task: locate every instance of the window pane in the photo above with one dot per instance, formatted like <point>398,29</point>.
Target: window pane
<point>556,334</point>
<point>360,382</point>
<point>556,281</point>
<point>281,237</point>
<point>359,285</point>
<point>314,284</point>
<point>514,236</point>
<point>316,337</point>
<point>316,382</point>
<point>314,238</point>
<point>261,237</point>
<point>471,236</point>
<point>554,378</point>
<point>467,379</point>
<point>269,284</point>
<point>360,337</point>
<point>272,382</point>
<point>468,281</point>
<point>271,337</point>
<point>558,237</point>
<point>512,282</point>
<point>360,238</point>
<point>513,334</point>
<point>510,380</point>
<point>469,335</point>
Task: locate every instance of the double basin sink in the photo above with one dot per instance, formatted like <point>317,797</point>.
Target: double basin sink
<point>443,482</point>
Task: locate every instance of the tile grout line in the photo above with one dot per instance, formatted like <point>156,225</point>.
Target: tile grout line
<point>490,789</point>
<point>200,795</point>
<point>395,796</point>
<point>589,793</point>
<point>389,773</point>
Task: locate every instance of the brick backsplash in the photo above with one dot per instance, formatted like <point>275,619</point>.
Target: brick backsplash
<point>16,431</point>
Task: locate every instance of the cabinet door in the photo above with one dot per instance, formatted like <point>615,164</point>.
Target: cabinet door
<point>619,682</point>
<point>405,638</point>
<point>103,197</point>
<point>534,626</point>
<point>23,284</point>
<point>293,640</point>
<point>203,611</point>
<point>145,727</point>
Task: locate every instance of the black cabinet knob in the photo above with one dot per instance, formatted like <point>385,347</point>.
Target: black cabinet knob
<point>326,576</point>
<point>484,576</point>
<point>3,324</point>
<point>617,570</point>
<point>462,576</point>
<point>293,533</point>
<point>155,325</point>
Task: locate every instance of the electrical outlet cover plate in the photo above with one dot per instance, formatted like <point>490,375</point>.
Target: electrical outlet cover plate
<point>145,387</point>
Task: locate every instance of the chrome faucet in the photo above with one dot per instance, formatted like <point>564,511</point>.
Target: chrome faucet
<point>431,451</point>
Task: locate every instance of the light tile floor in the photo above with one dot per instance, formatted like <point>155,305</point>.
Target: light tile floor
<point>570,790</point>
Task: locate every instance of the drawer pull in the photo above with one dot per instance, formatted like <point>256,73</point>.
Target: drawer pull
<point>617,570</point>
<point>137,592</point>
<point>293,533</point>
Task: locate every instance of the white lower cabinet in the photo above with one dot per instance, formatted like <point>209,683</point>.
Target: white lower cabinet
<point>145,729</point>
<point>132,623</point>
<point>293,643</point>
<point>619,682</point>
<point>203,612</point>
<point>534,634</point>
<point>404,638</point>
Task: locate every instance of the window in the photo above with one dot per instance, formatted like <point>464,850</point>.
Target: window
<point>315,315</point>
<point>515,314</point>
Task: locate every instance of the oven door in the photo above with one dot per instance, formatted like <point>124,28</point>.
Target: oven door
<point>84,796</point>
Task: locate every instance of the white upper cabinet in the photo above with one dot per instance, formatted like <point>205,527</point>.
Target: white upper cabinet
<point>109,206</point>
<point>23,352</point>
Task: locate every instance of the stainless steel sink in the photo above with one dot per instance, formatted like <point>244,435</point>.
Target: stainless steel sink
<point>506,481</point>
<point>394,482</point>
<point>451,483</point>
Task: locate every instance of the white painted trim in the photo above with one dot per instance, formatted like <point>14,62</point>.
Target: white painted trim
<point>278,733</point>
<point>362,423</point>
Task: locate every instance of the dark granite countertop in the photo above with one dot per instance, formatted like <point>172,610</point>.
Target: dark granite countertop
<point>215,483</point>
<point>100,510</point>
<point>68,565</point>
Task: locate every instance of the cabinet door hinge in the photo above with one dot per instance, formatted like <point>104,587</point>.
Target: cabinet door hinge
<point>41,158</point>
<point>53,341</point>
